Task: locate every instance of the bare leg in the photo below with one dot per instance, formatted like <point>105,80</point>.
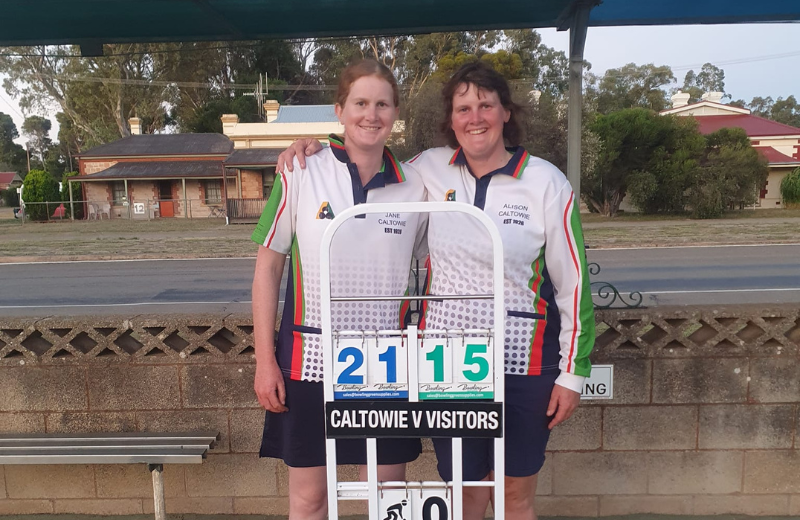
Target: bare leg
<point>476,500</point>
<point>520,494</point>
<point>308,499</point>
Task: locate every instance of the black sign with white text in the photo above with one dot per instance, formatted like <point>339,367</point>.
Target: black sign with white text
<point>361,419</point>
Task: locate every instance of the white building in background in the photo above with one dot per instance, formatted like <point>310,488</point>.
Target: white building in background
<point>285,124</point>
<point>778,143</point>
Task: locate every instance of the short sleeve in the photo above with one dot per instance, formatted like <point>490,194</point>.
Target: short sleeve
<point>276,227</point>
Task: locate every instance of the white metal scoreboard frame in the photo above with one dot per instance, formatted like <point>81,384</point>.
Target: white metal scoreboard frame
<point>393,409</point>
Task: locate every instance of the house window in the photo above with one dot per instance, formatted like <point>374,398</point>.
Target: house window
<point>118,192</point>
<point>213,192</point>
<point>268,180</point>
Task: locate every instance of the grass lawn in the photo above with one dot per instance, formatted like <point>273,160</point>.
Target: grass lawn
<point>197,238</point>
<point>744,214</point>
<point>117,225</point>
<point>122,238</point>
<point>6,213</point>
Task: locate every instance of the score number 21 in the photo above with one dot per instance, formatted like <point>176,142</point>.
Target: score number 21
<point>369,362</point>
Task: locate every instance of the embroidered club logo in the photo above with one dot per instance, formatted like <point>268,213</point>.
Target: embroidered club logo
<point>450,196</point>
<point>325,211</point>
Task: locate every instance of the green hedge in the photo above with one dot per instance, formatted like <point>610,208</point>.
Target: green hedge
<point>40,186</point>
<point>790,187</point>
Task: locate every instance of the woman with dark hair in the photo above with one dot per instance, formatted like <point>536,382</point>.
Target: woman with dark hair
<point>549,326</point>
<point>357,168</point>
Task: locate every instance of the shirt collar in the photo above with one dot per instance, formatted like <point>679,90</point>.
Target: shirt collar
<point>391,170</point>
<point>514,167</point>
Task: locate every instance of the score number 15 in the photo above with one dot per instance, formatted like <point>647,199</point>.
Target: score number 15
<point>472,359</point>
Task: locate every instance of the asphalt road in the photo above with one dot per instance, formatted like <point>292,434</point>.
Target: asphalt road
<point>664,276</point>
<point>702,275</point>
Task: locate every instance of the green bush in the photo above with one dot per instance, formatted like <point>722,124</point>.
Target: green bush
<point>707,201</point>
<point>730,174</point>
<point>790,187</point>
<point>76,194</point>
<point>643,155</point>
<point>40,186</point>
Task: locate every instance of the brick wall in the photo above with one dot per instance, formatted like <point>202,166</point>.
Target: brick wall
<point>704,418</point>
<point>88,166</point>
<point>98,191</point>
<point>252,184</point>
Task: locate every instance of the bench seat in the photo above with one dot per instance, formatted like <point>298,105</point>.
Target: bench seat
<point>153,449</point>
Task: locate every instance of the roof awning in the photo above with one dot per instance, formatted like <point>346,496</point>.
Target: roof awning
<point>93,22</point>
<point>176,145</point>
<point>777,158</point>
<point>253,158</point>
<point>754,126</point>
<point>155,170</point>
<point>692,12</point>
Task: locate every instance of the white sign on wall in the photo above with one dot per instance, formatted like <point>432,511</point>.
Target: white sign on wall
<point>600,385</point>
<point>138,208</point>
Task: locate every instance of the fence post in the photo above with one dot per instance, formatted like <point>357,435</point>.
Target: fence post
<point>185,209</point>
<point>71,205</point>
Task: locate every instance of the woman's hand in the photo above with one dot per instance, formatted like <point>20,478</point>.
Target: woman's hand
<point>300,149</point>
<point>270,388</point>
<point>563,403</point>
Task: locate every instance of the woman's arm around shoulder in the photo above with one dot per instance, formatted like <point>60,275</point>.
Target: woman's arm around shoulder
<point>296,153</point>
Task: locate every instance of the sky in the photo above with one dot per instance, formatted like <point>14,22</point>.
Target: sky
<point>746,52</point>
<point>758,59</point>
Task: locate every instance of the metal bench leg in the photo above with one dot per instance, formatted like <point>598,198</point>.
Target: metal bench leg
<point>157,470</point>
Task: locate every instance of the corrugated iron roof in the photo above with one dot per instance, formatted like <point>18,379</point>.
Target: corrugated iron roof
<point>9,177</point>
<point>163,144</point>
<point>754,126</point>
<point>157,169</point>
<point>776,157</point>
<point>253,157</point>
<point>306,114</point>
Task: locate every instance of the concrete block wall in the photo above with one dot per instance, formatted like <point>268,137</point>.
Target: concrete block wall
<point>704,418</point>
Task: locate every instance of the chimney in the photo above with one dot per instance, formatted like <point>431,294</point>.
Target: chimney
<point>271,108</point>
<point>714,97</point>
<point>136,125</point>
<point>229,122</point>
<point>680,99</point>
